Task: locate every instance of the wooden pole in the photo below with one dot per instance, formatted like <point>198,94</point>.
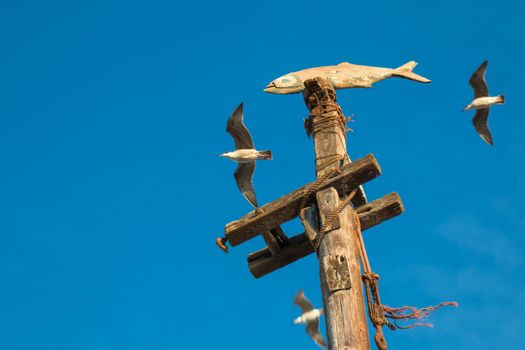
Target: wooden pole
<point>340,273</point>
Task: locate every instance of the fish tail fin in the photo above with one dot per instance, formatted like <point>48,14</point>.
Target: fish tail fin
<point>266,155</point>
<point>405,71</point>
<point>501,99</point>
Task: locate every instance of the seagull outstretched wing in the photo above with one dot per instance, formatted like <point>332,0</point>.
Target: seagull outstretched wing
<point>237,129</point>
<point>301,301</point>
<point>312,328</point>
<point>243,175</point>
<point>478,82</point>
<point>480,122</point>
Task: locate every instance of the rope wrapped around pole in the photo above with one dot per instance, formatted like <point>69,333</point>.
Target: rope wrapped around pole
<point>379,313</point>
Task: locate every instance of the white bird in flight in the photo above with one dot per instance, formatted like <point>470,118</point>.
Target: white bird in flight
<point>310,316</point>
<point>245,155</point>
<point>482,102</point>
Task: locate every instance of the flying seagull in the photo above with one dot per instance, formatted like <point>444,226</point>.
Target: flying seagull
<point>310,316</point>
<point>245,154</point>
<point>482,102</point>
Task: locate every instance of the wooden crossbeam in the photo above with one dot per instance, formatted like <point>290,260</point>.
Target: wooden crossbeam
<point>287,207</point>
<point>275,239</point>
<point>371,214</point>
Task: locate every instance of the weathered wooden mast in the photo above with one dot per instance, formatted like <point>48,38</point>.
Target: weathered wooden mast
<point>340,272</point>
<point>332,226</point>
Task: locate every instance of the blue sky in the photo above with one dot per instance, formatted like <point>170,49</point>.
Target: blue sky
<point>112,114</point>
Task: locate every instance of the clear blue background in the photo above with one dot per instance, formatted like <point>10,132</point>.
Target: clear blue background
<point>112,114</point>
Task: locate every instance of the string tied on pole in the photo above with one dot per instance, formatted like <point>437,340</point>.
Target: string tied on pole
<point>380,314</point>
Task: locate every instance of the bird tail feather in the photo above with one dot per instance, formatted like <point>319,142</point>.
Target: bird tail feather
<point>266,155</point>
<point>405,71</point>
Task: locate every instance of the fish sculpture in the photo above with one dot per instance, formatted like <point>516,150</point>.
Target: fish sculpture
<point>343,76</point>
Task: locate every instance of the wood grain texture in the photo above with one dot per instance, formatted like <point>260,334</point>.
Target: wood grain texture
<point>346,323</point>
<point>336,272</point>
<point>345,314</point>
<point>287,207</point>
<point>326,210</point>
<point>262,262</point>
<point>271,241</point>
<point>311,221</point>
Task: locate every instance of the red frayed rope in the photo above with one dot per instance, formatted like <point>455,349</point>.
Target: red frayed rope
<point>379,313</point>
<point>412,313</point>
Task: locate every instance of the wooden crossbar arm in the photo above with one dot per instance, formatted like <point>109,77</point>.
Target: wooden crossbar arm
<point>371,214</point>
<point>287,207</point>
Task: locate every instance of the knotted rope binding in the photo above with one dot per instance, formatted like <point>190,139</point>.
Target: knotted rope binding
<point>328,222</point>
<point>325,114</point>
<point>307,196</point>
<point>379,313</point>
